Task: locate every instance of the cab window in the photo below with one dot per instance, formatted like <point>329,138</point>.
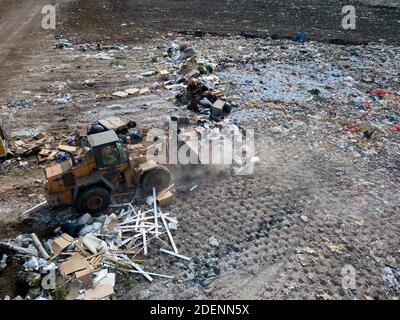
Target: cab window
<point>109,155</point>
<point>123,156</point>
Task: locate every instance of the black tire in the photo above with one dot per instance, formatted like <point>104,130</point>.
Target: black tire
<point>93,200</point>
<point>158,178</point>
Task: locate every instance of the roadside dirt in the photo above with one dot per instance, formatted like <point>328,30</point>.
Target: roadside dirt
<point>20,35</point>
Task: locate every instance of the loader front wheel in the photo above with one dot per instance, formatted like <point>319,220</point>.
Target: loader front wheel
<point>158,178</point>
<point>93,200</point>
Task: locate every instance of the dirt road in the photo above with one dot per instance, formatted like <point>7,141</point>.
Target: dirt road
<point>20,30</point>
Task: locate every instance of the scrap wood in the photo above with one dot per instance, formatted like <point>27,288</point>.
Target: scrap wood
<point>67,149</point>
<point>76,263</point>
<point>102,290</point>
<point>35,207</point>
<point>132,91</point>
<point>144,90</point>
<point>39,246</point>
<point>162,241</point>
<point>166,196</point>
<point>100,275</point>
<point>141,245</point>
<point>144,243</point>
<point>85,276</point>
<point>155,209</point>
<point>126,251</point>
<point>96,255</point>
<point>175,254</point>
<point>164,191</point>
<point>171,219</point>
<point>116,261</point>
<point>120,94</point>
<point>129,263</point>
<point>63,284</point>
<point>141,271</point>
<point>152,274</point>
<point>18,249</point>
<point>165,199</point>
<point>96,261</point>
<point>137,221</point>
<point>171,239</point>
<point>61,243</point>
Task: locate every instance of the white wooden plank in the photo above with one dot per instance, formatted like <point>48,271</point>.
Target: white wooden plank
<point>175,254</point>
<point>171,239</point>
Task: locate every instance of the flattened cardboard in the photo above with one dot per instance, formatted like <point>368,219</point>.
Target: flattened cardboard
<point>61,243</point>
<point>85,276</point>
<point>100,291</point>
<point>103,289</point>
<point>76,263</point>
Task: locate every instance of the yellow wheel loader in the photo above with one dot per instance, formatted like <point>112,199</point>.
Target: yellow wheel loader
<point>104,169</point>
<point>3,142</point>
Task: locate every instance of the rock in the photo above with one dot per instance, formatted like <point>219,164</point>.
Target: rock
<point>172,226</point>
<point>304,218</point>
<point>277,129</point>
<point>179,265</point>
<point>25,242</point>
<point>100,219</point>
<point>213,242</point>
<point>390,280</point>
<point>72,229</point>
<point>235,247</point>
<point>86,230</point>
<point>33,279</point>
<point>32,248</point>
<point>148,73</point>
<point>34,264</point>
<point>206,103</point>
<point>85,219</point>
<point>206,282</point>
<point>97,226</point>
<point>145,295</point>
<point>187,53</point>
<point>3,262</point>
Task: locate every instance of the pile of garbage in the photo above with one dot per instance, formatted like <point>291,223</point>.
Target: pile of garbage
<point>194,82</point>
<point>45,146</point>
<point>62,43</point>
<point>200,88</point>
<point>82,261</point>
<point>49,148</point>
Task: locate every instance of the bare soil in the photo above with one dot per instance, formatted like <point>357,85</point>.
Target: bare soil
<point>101,20</point>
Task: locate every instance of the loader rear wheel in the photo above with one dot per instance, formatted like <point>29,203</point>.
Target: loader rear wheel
<point>158,178</point>
<point>93,200</point>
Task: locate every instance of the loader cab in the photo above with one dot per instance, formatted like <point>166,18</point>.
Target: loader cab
<point>107,149</point>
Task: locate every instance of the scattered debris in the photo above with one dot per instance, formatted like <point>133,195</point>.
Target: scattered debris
<point>3,262</point>
<point>82,264</point>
